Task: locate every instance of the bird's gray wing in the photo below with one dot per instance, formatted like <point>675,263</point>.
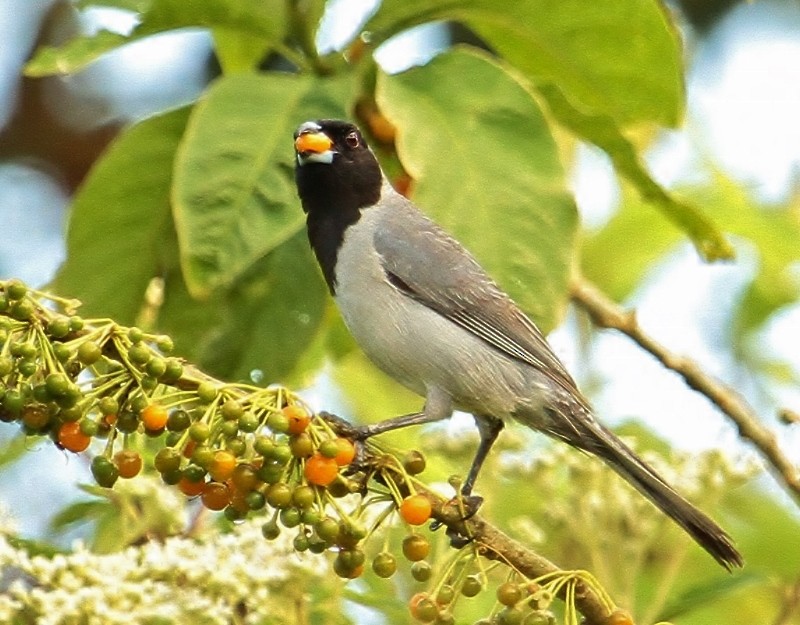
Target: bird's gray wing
<point>426,264</point>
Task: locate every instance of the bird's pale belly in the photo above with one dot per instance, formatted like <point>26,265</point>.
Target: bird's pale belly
<point>421,349</point>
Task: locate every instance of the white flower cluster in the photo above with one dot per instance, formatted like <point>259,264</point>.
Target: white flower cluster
<point>220,579</point>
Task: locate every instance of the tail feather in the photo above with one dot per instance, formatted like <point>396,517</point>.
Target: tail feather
<point>710,536</point>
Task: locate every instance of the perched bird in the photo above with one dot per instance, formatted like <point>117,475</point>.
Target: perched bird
<point>425,312</point>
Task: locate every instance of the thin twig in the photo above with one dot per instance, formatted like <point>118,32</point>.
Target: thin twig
<point>606,313</point>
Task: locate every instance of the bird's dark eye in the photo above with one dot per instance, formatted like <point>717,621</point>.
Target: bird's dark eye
<point>352,140</point>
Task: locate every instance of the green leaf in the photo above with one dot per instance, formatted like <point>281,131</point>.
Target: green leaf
<point>621,58</point>
<point>274,314</point>
<point>237,51</point>
<point>234,198</point>
<point>263,18</point>
<point>74,55</point>
<point>617,256</point>
<point>486,167</point>
<point>137,6</point>
<point>710,242</point>
<point>707,593</point>
<point>78,512</point>
<point>241,20</point>
<point>13,449</point>
<point>118,218</point>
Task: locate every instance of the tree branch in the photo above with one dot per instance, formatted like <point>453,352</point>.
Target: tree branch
<point>606,313</point>
<point>491,542</point>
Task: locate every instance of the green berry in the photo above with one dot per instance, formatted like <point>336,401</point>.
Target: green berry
<point>255,500</point>
<point>139,354</point>
<point>300,543</point>
<point>61,352</point>
<point>27,367</point>
<point>127,422</point>
<point>89,352</point>
<point>58,327</point>
<point>167,459</point>
<point>271,473</point>
<point>104,471</point>
<point>248,422</point>
<point>199,432</point>
<point>472,586</point>
<point>22,310</point>
<point>135,335</point>
<point>75,323</point>
<point>16,289</point>
<point>328,530</point>
<point>165,344</point>
<point>414,462</point>
<point>290,517</point>
<point>57,384</point>
<point>88,427</point>
<point>173,372</point>
<point>445,595</point>
<point>13,401</point>
<point>108,405</point>
<point>303,497</point>
<point>279,495</point>
<point>178,420</point>
<point>509,593</point>
<point>329,448</point>
<point>206,392</point>
<point>415,547</point>
<point>193,473</point>
<point>421,570</point>
<point>270,530</point>
<point>231,410</point>
<point>278,423</point>
<point>263,446</point>
<point>511,616</point>
<point>384,564</point>
<point>156,367</point>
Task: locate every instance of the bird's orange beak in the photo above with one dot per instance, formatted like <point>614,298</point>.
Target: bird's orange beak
<point>313,142</point>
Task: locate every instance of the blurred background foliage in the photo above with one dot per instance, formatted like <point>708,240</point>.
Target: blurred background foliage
<point>159,132</point>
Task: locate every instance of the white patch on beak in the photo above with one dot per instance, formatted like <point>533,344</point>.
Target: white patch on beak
<point>321,157</point>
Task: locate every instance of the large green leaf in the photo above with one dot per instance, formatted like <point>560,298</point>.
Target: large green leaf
<point>621,58</point>
<point>274,315</point>
<point>118,218</point>
<point>249,19</point>
<point>605,133</point>
<point>234,198</point>
<point>486,167</point>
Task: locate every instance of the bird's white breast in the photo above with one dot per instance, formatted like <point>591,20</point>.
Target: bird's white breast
<point>411,342</point>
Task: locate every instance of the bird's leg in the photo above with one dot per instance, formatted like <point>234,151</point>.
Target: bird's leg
<point>438,406</point>
<point>395,423</point>
<point>489,428</point>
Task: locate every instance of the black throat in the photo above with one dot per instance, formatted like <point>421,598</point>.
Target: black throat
<point>333,196</point>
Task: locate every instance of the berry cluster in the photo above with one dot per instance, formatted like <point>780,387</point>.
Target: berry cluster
<point>114,392</point>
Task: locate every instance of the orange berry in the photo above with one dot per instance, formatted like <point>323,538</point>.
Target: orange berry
<point>415,509</point>
<point>188,450</point>
<point>618,617</point>
<point>109,419</point>
<point>71,438</point>
<point>215,496</point>
<point>222,466</point>
<point>320,470</point>
<point>298,418</point>
<point>189,488</point>
<point>154,417</point>
<point>346,453</point>
<point>128,463</point>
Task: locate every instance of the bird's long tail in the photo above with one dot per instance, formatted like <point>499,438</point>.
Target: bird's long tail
<point>596,439</point>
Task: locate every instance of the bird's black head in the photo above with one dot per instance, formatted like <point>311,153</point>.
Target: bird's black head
<point>337,177</point>
<point>336,171</point>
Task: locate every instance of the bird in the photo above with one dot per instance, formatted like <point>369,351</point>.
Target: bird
<point>425,312</point>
